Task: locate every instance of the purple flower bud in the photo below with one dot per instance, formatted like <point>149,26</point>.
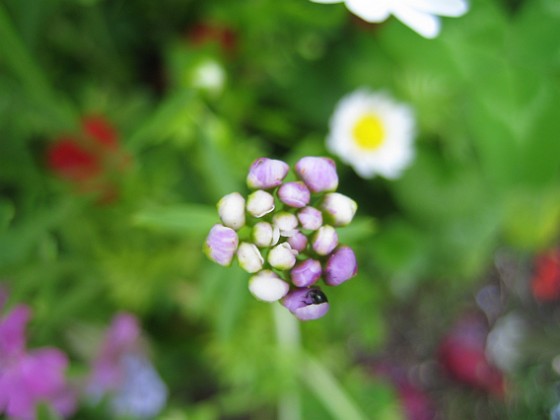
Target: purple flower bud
<point>324,240</point>
<point>267,286</point>
<point>339,208</point>
<point>310,218</point>
<point>267,173</point>
<point>282,256</point>
<point>264,234</point>
<point>294,194</point>
<point>231,209</point>
<point>249,257</point>
<point>260,203</point>
<point>318,173</point>
<point>286,222</point>
<point>221,244</point>
<point>306,304</point>
<point>306,273</point>
<point>341,266</point>
<point>298,241</point>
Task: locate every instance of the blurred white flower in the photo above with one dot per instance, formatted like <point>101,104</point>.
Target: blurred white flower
<point>209,75</point>
<point>372,133</point>
<point>420,15</point>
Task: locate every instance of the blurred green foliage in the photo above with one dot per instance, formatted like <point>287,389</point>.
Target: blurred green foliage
<point>485,177</point>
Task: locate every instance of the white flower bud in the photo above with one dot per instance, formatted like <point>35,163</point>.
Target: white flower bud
<point>260,203</point>
<point>231,209</point>
<point>249,257</point>
<point>282,256</point>
<point>265,235</point>
<point>325,240</point>
<point>287,223</point>
<point>339,209</point>
<point>268,287</point>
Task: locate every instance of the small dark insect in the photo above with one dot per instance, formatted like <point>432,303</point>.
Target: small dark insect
<point>317,296</point>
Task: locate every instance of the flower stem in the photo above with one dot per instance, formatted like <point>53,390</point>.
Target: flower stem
<point>329,391</point>
<point>289,343</point>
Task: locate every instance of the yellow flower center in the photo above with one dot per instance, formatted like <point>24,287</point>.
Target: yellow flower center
<point>368,132</point>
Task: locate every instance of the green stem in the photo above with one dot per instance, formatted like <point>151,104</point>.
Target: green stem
<point>329,391</point>
<point>289,343</point>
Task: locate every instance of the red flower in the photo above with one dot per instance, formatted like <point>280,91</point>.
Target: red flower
<point>90,159</point>
<point>70,160</point>
<point>545,283</point>
<point>462,354</point>
<point>206,33</point>
<point>100,131</point>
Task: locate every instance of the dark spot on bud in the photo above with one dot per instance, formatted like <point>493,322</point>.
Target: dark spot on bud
<point>317,296</point>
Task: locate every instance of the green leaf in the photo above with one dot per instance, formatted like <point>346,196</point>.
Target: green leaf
<point>194,219</point>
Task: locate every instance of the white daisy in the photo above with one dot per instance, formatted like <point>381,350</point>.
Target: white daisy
<point>372,133</point>
<point>420,15</point>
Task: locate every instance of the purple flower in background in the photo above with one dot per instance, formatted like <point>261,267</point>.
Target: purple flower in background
<point>306,304</point>
<point>267,173</point>
<point>30,377</point>
<point>221,244</point>
<point>123,372</point>
<point>341,266</point>
<point>318,173</point>
<point>281,239</point>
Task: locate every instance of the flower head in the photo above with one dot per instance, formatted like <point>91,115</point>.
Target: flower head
<point>287,249</point>
<point>30,377</point>
<point>372,133</point>
<point>420,15</point>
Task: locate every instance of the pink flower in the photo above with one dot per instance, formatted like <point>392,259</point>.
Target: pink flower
<point>123,372</point>
<point>28,378</point>
<point>463,354</point>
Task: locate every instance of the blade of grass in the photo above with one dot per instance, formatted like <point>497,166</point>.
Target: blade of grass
<point>327,389</point>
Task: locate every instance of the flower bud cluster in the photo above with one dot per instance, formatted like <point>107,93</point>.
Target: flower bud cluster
<point>284,234</point>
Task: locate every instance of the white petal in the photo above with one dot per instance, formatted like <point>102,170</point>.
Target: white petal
<point>369,10</point>
<point>425,24</point>
<point>452,8</point>
<point>327,1</point>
